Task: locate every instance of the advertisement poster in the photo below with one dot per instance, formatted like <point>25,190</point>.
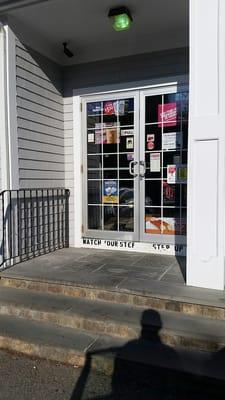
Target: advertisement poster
<point>171,140</point>
<point>114,107</point>
<point>130,143</point>
<point>94,108</point>
<point>155,162</point>
<point>110,194</point>
<point>150,142</point>
<point>167,114</point>
<point>107,133</point>
<point>127,132</point>
<point>165,226</point>
<point>169,194</point>
<point>171,174</point>
<point>177,173</point>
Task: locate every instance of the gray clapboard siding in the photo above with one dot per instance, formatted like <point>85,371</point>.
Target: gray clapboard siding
<point>38,99</point>
<point>40,109</point>
<point>40,120</point>
<point>29,154</point>
<point>40,137</point>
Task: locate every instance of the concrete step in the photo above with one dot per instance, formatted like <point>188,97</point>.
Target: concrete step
<point>186,300</point>
<point>106,354</point>
<point>119,320</point>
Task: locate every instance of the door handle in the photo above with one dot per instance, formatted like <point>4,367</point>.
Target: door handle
<point>142,164</point>
<point>131,168</point>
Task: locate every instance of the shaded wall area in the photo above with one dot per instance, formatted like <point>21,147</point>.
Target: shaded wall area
<point>40,120</point>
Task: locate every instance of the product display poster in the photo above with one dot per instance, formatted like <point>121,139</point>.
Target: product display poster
<point>155,162</point>
<point>167,114</point>
<point>171,140</point>
<point>171,174</point>
<point>110,194</point>
<point>129,143</point>
<point>165,226</point>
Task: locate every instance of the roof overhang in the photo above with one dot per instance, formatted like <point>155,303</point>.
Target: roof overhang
<point>7,5</point>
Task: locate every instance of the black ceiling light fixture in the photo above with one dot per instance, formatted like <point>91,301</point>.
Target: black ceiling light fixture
<point>121,18</point>
<point>66,51</point>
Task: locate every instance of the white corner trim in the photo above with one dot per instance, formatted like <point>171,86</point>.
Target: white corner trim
<point>12,109</point>
<point>3,113</point>
<point>77,157</point>
<point>8,111</point>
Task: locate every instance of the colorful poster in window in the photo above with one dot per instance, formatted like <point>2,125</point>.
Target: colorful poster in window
<point>169,194</point>
<point>171,141</point>
<point>165,226</point>
<point>150,141</point>
<point>107,133</point>
<point>110,194</point>
<point>167,114</point>
<point>171,174</point>
<point>129,143</point>
<point>94,108</point>
<point>116,107</point>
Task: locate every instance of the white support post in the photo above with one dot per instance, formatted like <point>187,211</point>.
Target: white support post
<point>206,187</point>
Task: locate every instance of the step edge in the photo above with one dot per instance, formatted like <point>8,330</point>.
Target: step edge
<point>167,335</point>
<point>125,292</point>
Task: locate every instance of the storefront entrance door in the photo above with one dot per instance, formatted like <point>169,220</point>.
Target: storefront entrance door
<point>135,165</point>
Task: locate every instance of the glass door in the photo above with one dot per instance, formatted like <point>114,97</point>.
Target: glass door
<point>111,155</point>
<point>163,163</point>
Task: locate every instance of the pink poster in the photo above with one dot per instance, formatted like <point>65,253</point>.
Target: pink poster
<point>167,114</point>
<point>109,108</point>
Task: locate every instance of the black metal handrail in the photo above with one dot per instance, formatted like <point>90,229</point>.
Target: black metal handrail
<point>33,222</point>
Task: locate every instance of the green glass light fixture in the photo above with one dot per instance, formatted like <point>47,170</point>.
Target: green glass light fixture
<point>121,18</point>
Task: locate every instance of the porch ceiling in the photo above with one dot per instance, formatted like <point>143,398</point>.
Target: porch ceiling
<point>158,25</point>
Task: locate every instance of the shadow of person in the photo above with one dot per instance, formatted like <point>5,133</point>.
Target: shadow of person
<point>214,373</point>
<point>144,367</point>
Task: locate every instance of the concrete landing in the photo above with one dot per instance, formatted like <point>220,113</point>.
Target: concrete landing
<point>162,277</point>
<point>101,268</point>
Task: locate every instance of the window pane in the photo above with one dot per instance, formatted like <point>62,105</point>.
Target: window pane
<point>110,218</point>
<point>126,219</point>
<point>95,217</point>
<point>153,193</point>
<point>94,192</point>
